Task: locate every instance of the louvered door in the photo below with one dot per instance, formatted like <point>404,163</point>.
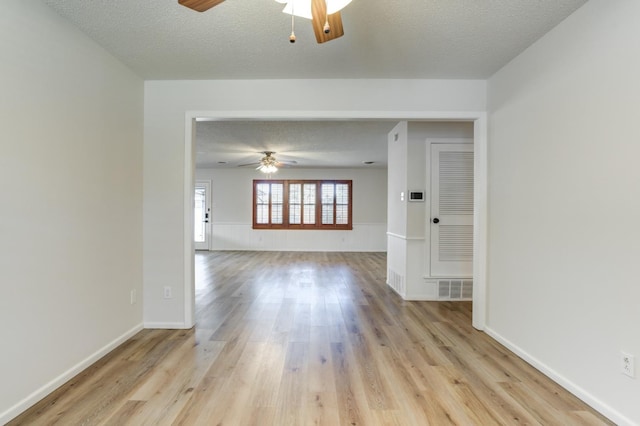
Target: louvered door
<point>451,210</point>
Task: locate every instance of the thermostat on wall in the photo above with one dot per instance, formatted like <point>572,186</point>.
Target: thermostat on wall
<point>416,195</point>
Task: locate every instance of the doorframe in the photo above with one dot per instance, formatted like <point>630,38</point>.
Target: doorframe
<point>479,120</point>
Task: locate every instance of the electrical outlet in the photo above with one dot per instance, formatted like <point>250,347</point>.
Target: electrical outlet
<point>167,292</point>
<point>628,367</point>
<point>133,297</point>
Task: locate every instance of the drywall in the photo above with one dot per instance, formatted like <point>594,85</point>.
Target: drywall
<point>170,104</point>
<point>564,144</point>
<point>409,170</point>
<point>231,215</point>
<point>419,167</point>
<point>71,204</point>
<point>397,150</point>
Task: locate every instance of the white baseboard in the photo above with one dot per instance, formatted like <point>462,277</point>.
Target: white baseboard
<point>166,325</point>
<point>421,298</point>
<point>576,390</point>
<point>395,290</point>
<point>54,384</point>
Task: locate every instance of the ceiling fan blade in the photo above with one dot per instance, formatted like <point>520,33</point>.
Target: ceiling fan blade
<point>200,5</point>
<point>248,164</point>
<point>320,17</point>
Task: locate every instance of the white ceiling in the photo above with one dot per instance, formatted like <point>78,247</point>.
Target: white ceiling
<point>242,39</point>
<point>248,39</point>
<point>311,144</point>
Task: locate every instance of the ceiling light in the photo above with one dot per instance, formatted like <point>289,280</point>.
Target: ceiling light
<point>268,163</point>
<point>302,8</point>
<point>268,168</point>
<point>327,23</point>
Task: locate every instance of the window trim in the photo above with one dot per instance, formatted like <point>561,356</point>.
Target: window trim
<point>318,205</point>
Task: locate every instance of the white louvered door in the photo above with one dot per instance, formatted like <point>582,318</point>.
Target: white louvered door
<point>451,210</point>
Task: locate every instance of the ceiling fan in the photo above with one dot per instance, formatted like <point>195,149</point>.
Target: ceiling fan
<point>268,163</point>
<point>324,14</point>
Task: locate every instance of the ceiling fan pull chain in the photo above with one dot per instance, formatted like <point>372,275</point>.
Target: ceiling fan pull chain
<point>326,28</point>
<point>292,37</point>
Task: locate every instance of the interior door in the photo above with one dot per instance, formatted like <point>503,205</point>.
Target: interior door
<point>202,215</point>
<point>452,210</point>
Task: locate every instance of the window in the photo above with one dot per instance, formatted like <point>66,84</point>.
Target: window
<point>269,200</point>
<point>302,204</point>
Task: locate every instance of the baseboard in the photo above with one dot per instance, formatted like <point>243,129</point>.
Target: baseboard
<point>604,409</point>
<point>45,390</point>
<point>395,290</point>
<point>421,298</point>
<point>166,325</point>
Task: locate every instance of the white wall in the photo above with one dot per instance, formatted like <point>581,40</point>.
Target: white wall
<point>169,103</point>
<point>564,203</point>
<point>397,151</point>
<point>71,204</point>
<point>421,135</point>
<point>409,169</point>
<point>232,220</point>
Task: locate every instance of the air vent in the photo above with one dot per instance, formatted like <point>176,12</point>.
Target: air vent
<point>455,289</point>
<point>396,282</point>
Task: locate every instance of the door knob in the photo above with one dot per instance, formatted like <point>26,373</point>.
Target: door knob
<point>436,220</point>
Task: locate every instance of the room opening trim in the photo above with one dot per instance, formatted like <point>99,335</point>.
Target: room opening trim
<point>480,183</point>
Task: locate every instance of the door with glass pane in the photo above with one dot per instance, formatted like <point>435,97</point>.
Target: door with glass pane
<point>202,215</point>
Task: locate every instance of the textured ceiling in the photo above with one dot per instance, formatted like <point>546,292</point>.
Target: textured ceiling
<point>311,144</point>
<point>248,39</point>
<point>308,143</point>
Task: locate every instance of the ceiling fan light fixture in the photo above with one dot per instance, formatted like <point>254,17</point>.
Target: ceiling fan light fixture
<point>302,8</point>
<point>268,163</point>
<point>269,168</point>
<point>334,6</point>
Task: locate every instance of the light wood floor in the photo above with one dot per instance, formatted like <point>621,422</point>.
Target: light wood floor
<point>310,339</point>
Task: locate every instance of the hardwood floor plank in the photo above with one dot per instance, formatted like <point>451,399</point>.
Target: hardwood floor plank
<point>320,375</point>
<point>293,338</point>
<point>267,381</point>
<point>291,404</point>
<point>537,407</point>
<point>352,403</point>
<point>378,395</point>
<point>93,398</point>
<point>125,414</point>
<point>232,408</point>
<point>173,381</point>
<point>322,409</point>
<point>301,329</point>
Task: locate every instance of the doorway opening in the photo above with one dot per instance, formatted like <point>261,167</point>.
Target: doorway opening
<point>480,142</point>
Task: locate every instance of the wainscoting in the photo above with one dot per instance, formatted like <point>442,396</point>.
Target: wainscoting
<point>365,237</point>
